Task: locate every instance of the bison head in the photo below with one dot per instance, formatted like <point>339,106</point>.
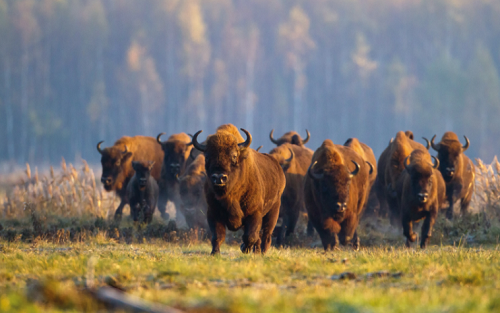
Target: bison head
<point>332,181</point>
<point>290,137</point>
<point>449,151</point>
<point>284,155</point>
<point>142,171</point>
<point>174,157</point>
<point>223,158</point>
<point>114,165</point>
<point>421,176</point>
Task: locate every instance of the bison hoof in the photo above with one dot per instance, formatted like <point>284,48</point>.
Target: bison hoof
<point>356,245</point>
<point>244,248</point>
<point>449,215</point>
<point>408,243</point>
<point>215,252</point>
<point>413,237</point>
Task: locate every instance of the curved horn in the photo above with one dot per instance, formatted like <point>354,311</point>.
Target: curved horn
<point>371,167</point>
<point>247,142</point>
<point>198,145</point>
<point>467,143</point>
<point>405,162</point>
<point>271,137</point>
<point>307,138</point>
<point>313,175</point>
<point>291,156</point>
<point>158,137</point>
<point>126,150</point>
<point>391,140</point>
<point>436,162</point>
<point>433,145</point>
<point>188,144</point>
<point>428,146</point>
<point>260,147</point>
<point>99,147</point>
<point>356,171</point>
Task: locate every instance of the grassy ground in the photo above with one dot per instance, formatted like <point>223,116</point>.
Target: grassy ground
<point>42,276</point>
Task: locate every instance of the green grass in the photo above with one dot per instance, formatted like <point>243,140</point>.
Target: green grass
<point>42,276</point>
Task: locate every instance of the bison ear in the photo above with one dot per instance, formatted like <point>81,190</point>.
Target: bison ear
<point>126,156</point>
<point>151,164</point>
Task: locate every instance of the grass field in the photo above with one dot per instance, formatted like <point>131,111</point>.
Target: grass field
<point>59,248</point>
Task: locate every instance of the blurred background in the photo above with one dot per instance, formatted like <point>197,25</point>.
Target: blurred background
<point>74,72</point>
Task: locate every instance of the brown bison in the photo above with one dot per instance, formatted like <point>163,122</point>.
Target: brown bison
<point>290,137</point>
<point>243,189</point>
<point>142,191</point>
<point>193,203</point>
<point>176,151</point>
<point>117,164</point>
<point>294,161</point>
<point>422,194</point>
<point>336,190</point>
<point>457,169</point>
<point>389,168</point>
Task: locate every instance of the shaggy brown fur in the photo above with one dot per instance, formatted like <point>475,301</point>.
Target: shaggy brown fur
<point>334,198</point>
<point>422,194</point>
<point>142,191</point>
<point>193,202</point>
<point>117,164</point>
<point>291,137</point>
<point>176,150</point>
<point>390,166</point>
<point>243,190</point>
<point>292,201</point>
<point>458,171</point>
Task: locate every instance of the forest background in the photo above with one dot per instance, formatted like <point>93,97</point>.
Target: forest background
<point>74,72</point>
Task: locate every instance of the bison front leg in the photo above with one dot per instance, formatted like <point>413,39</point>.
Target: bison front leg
<point>329,239</point>
<point>251,238</point>
<point>449,211</point>
<point>268,224</point>
<point>408,230</point>
<point>162,205</point>
<point>429,221</point>
<point>218,230</point>
<point>119,210</point>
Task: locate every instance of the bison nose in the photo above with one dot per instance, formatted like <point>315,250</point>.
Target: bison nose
<point>106,180</point>
<point>175,167</point>
<point>219,179</point>
<point>450,171</point>
<point>340,207</point>
<point>142,181</point>
<point>423,197</point>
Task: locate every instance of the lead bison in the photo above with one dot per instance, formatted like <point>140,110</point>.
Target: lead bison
<point>290,137</point>
<point>335,194</point>
<point>142,192</point>
<point>457,169</point>
<point>422,194</point>
<point>390,166</point>
<point>243,189</point>
<point>117,164</point>
<point>294,161</point>
<point>176,150</point>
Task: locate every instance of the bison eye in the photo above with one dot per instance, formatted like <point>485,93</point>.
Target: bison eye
<point>118,163</point>
<point>234,159</point>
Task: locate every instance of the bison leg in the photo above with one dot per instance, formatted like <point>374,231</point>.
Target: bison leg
<point>310,228</point>
<point>281,231</point>
<point>408,231</point>
<point>218,230</point>
<point>162,206</point>
<point>355,241</point>
<point>268,224</point>
<point>464,204</point>
<point>252,224</point>
<point>292,221</point>
<point>329,239</point>
<point>119,210</point>
<point>427,227</point>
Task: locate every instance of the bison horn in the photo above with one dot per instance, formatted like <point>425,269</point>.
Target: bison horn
<point>196,144</point>
<point>291,156</point>
<point>158,137</point>
<point>356,171</point>
<point>313,175</point>
<point>307,138</point>
<point>188,144</point>
<point>126,150</point>
<point>467,143</point>
<point>433,145</point>
<point>428,143</point>
<point>247,142</point>
<point>436,162</point>
<point>271,137</point>
<point>260,147</point>
<point>99,146</point>
<point>371,167</point>
<point>391,140</point>
<point>405,162</point>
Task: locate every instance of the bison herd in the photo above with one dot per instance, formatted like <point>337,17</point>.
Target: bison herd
<point>222,183</point>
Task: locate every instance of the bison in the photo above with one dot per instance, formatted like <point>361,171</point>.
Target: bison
<point>191,185</point>
<point>243,190</point>
<point>335,193</point>
<point>117,164</point>
<point>422,194</point>
<point>176,150</point>
<point>142,191</point>
<point>457,169</point>
<point>294,161</point>
<point>389,168</point>
<point>290,137</point>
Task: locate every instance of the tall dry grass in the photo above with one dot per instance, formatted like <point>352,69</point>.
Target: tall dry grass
<point>66,193</point>
<point>486,199</point>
